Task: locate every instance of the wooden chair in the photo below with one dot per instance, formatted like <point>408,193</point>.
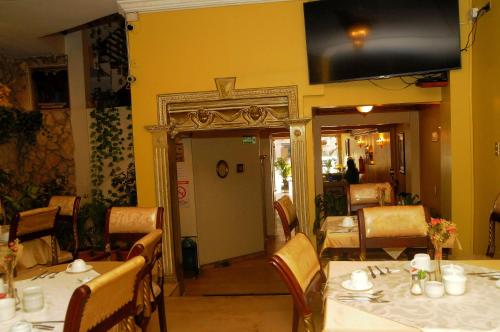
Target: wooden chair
<point>393,227</point>
<point>151,289</point>
<point>494,218</point>
<point>287,214</point>
<point>125,225</point>
<point>70,206</point>
<point>299,267</point>
<point>35,224</point>
<point>107,300</point>
<point>367,195</point>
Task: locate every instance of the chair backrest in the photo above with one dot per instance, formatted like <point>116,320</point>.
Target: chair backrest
<point>106,300</point>
<point>129,224</point>
<point>287,214</point>
<point>368,194</point>
<point>147,246</point>
<point>392,227</point>
<point>70,206</point>
<point>33,224</point>
<point>495,212</point>
<point>300,269</point>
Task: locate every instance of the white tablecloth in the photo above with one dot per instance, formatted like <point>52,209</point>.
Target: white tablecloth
<point>57,293</point>
<point>477,310</point>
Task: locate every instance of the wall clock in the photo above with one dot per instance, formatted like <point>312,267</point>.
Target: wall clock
<point>222,168</point>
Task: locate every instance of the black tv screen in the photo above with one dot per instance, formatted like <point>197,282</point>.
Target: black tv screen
<point>361,39</point>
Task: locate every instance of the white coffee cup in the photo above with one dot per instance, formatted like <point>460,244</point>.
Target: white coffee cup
<point>359,279</point>
<point>455,284</point>
<point>33,299</point>
<point>450,269</point>
<point>348,222</point>
<point>21,327</point>
<point>78,265</point>
<point>421,262</point>
<point>7,308</point>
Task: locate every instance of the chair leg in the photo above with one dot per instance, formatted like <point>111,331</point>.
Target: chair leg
<point>53,245</point>
<point>161,312</point>
<point>491,239</point>
<point>295,319</point>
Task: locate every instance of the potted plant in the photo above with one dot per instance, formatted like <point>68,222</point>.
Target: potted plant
<point>284,169</point>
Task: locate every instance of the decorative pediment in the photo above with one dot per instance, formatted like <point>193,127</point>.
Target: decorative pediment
<point>227,108</point>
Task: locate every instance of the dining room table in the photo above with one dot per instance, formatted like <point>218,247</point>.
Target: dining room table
<point>395,308</point>
<point>57,285</point>
<point>346,239</point>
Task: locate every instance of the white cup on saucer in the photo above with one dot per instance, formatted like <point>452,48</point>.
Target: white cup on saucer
<point>7,308</point>
<point>450,269</point>
<point>455,284</point>
<point>347,222</point>
<point>421,262</point>
<point>21,327</point>
<point>359,279</point>
<point>33,299</point>
<point>78,265</point>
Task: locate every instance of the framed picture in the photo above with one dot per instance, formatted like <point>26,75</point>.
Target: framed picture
<point>401,152</point>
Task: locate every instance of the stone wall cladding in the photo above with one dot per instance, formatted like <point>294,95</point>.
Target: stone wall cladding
<point>52,155</point>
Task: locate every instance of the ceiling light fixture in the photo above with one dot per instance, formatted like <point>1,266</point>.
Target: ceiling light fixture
<point>364,108</point>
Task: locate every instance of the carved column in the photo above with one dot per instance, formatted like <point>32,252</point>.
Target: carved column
<point>299,172</point>
<point>163,198</point>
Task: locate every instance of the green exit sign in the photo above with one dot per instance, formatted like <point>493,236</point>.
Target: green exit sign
<point>249,139</point>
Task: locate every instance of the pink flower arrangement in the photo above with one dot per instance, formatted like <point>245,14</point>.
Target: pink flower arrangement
<point>440,230</point>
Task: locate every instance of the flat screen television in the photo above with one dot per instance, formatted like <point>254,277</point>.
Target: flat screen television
<point>364,39</point>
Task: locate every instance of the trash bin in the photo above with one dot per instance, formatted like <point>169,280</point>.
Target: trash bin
<point>190,257</point>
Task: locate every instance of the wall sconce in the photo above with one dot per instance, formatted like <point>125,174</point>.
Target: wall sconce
<point>360,141</point>
<point>364,108</point>
<point>381,141</point>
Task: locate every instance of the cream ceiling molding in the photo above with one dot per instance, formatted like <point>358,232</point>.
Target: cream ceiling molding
<point>144,6</point>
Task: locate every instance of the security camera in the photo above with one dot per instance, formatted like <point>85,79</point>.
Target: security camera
<point>130,27</point>
<point>131,79</point>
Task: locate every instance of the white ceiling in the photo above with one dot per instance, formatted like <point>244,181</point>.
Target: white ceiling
<point>25,24</point>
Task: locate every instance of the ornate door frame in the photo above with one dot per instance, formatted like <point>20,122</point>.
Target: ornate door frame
<point>224,108</point>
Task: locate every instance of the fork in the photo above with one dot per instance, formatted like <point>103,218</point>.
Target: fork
<point>361,299</point>
<point>379,270</point>
<point>53,275</point>
<point>388,270</point>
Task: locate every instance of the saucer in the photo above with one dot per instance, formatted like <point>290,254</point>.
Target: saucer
<point>347,226</point>
<point>347,285</point>
<point>88,268</point>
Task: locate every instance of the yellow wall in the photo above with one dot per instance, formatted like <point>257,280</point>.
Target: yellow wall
<point>263,45</point>
<point>486,122</point>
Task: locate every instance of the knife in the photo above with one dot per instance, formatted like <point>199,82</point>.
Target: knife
<point>371,271</point>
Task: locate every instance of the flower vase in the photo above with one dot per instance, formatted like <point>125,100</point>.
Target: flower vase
<point>438,256</point>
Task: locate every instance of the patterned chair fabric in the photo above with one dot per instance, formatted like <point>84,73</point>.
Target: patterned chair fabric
<point>288,215</point>
<point>300,269</point>
<point>369,194</point>
<point>129,224</point>
<point>107,300</point>
<point>35,224</point>
<point>68,215</point>
<point>151,289</point>
<point>494,218</point>
<point>393,227</point>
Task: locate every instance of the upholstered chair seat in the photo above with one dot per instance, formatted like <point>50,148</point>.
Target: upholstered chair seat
<point>393,227</point>
<point>369,194</point>
<point>107,300</point>
<point>288,215</point>
<point>299,267</point>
